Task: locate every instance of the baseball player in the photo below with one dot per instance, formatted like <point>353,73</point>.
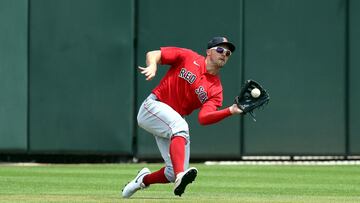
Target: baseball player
<point>191,82</point>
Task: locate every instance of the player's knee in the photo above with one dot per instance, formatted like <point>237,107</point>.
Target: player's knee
<point>181,128</point>
<point>140,119</point>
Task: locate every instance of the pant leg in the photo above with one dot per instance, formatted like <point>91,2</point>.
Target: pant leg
<point>164,145</point>
<point>163,122</point>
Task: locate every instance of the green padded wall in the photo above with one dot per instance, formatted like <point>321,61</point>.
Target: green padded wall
<point>81,76</point>
<point>296,49</point>
<point>76,91</point>
<point>191,24</point>
<point>13,75</point>
<point>354,90</point>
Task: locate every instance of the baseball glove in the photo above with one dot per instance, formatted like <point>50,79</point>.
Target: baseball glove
<point>247,101</point>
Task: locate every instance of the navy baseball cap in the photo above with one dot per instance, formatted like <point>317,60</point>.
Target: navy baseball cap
<point>220,40</point>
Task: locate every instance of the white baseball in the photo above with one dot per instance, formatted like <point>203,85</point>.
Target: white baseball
<point>255,93</point>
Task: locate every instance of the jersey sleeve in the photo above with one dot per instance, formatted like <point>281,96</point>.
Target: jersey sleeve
<point>172,55</point>
<point>209,112</point>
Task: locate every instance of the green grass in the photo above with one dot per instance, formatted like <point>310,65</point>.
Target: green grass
<point>103,183</point>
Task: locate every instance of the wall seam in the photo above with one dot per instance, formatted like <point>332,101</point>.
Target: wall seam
<point>135,58</point>
<point>347,78</point>
<point>242,120</point>
<point>28,79</point>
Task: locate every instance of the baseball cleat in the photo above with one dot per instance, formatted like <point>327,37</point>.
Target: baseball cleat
<point>183,179</point>
<point>135,184</point>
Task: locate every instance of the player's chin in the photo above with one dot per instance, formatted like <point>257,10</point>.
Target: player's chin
<point>221,63</point>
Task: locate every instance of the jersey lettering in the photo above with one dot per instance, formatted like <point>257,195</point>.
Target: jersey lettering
<point>187,75</point>
<point>201,93</point>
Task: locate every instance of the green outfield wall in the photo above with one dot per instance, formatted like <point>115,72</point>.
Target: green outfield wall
<point>69,84</point>
<point>297,48</point>
<point>13,75</point>
<point>81,76</point>
<point>354,74</point>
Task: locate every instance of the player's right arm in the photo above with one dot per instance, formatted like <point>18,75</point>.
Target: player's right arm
<point>153,58</point>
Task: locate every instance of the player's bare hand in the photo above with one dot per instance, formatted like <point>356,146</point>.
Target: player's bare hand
<point>234,109</point>
<point>149,71</point>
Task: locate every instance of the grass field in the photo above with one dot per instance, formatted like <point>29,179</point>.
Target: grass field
<point>103,183</point>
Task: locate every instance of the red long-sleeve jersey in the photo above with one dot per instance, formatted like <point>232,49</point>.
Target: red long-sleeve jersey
<point>188,86</point>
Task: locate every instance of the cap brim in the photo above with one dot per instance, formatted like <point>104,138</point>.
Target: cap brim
<point>229,44</point>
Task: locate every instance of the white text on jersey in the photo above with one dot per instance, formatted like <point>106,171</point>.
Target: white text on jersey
<point>187,75</point>
<point>201,93</point>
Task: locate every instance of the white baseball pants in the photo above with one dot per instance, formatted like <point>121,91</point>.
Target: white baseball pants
<point>164,122</point>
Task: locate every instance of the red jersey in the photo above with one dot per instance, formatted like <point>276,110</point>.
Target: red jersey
<point>187,85</point>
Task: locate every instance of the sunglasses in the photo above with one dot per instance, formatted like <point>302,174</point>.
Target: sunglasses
<point>221,50</point>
